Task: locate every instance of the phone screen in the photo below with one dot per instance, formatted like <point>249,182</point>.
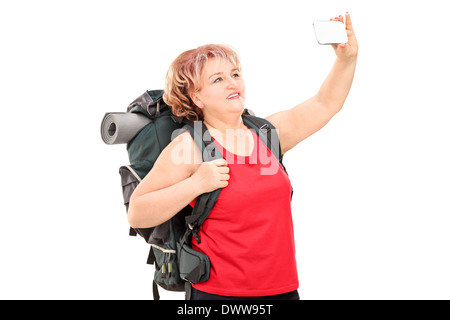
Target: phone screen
<point>330,32</point>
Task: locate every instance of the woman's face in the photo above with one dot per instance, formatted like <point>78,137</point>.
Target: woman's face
<point>222,89</point>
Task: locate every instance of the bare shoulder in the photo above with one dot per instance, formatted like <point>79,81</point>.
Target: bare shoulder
<point>274,119</point>
<point>177,162</point>
<point>182,152</point>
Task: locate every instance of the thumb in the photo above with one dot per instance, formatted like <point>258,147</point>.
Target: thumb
<point>348,22</point>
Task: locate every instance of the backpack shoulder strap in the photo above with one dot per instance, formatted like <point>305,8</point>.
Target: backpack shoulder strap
<point>206,201</point>
<point>266,132</point>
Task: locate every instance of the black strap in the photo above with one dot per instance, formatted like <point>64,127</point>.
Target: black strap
<point>155,291</point>
<point>205,202</point>
<point>199,208</point>
<point>203,139</point>
<point>188,289</point>
<point>133,232</point>
<point>267,132</point>
<point>192,220</point>
<point>151,256</point>
<point>194,276</point>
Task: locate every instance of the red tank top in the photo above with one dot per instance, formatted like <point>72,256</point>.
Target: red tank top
<point>249,236</point>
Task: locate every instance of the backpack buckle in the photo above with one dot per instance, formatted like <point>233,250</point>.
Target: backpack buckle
<point>264,128</point>
<point>194,229</point>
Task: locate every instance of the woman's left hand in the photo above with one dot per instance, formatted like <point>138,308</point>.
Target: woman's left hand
<point>346,51</point>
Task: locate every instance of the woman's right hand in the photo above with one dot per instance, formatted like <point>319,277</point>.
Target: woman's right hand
<point>212,175</point>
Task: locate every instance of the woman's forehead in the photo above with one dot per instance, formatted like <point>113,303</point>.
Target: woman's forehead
<point>215,65</point>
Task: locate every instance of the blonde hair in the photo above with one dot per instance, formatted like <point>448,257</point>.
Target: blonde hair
<point>184,75</point>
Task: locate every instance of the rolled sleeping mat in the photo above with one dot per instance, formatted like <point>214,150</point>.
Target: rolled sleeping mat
<point>121,127</point>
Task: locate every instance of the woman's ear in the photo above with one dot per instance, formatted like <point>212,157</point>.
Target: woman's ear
<point>196,100</point>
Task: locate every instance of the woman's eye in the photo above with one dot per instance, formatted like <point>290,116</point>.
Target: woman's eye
<point>235,75</point>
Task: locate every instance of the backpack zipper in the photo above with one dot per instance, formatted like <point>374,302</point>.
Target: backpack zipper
<point>166,267</point>
<point>162,249</point>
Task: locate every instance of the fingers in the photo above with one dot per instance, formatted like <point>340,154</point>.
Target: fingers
<point>340,18</point>
<point>348,22</point>
<point>220,162</point>
<point>223,170</point>
<point>348,27</point>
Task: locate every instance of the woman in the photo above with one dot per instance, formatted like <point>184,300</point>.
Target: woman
<point>248,235</point>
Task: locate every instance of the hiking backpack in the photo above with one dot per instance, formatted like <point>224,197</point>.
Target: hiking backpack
<point>177,265</point>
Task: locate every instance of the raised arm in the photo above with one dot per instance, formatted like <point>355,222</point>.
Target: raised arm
<point>308,117</point>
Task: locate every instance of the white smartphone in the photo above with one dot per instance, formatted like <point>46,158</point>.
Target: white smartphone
<point>330,32</point>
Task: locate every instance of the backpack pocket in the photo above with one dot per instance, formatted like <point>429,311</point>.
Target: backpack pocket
<point>166,269</point>
<point>194,266</point>
<point>130,180</point>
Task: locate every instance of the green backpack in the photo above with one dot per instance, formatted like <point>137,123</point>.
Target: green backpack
<point>177,265</point>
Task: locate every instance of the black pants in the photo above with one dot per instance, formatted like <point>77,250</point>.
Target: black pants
<point>200,295</point>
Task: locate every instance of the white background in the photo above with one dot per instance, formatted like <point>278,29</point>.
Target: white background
<point>371,202</point>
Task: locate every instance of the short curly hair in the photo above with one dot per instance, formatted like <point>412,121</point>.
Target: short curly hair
<point>184,74</point>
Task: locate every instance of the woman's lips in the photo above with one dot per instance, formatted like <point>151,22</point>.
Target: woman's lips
<point>234,95</point>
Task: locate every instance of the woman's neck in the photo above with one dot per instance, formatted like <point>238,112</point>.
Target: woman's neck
<point>222,125</point>
<point>233,135</point>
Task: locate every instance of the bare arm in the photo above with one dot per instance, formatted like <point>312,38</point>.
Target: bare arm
<point>308,117</point>
<point>155,207</point>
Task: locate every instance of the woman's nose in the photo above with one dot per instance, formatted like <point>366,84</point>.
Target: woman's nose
<point>231,84</point>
